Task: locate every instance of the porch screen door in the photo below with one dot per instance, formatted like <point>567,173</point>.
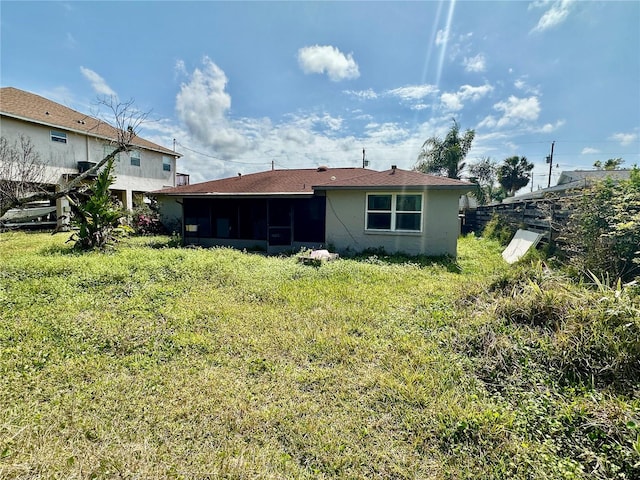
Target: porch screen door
<point>280,218</point>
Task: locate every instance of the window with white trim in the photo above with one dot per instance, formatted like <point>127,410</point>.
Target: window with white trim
<point>394,212</point>
<point>166,163</point>
<point>59,137</point>
<point>107,149</point>
<point>135,157</point>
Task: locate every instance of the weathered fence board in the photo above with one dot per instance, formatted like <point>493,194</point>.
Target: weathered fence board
<point>546,216</point>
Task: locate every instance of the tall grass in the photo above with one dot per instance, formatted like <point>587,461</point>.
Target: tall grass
<point>151,362</point>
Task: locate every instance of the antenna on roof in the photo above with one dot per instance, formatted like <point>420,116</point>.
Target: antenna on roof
<point>365,163</point>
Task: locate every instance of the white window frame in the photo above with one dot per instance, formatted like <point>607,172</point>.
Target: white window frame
<point>135,155</point>
<point>58,137</point>
<point>394,211</point>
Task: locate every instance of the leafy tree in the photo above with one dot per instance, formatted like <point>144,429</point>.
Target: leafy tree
<point>484,174</point>
<point>611,164</point>
<point>445,156</point>
<point>98,216</point>
<point>514,174</point>
<point>603,231</point>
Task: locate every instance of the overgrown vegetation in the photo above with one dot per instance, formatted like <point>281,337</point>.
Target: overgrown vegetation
<point>145,218</point>
<point>188,363</point>
<point>603,232</point>
<point>96,215</point>
<point>500,229</point>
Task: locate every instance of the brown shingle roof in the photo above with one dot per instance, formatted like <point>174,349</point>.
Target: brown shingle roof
<point>298,181</point>
<point>396,177</point>
<point>31,107</point>
<point>305,181</point>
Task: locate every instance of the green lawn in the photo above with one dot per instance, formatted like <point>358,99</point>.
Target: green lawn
<point>152,362</point>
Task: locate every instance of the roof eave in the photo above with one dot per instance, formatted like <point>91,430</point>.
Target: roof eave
<point>417,188</point>
<point>84,132</point>
<point>226,194</point>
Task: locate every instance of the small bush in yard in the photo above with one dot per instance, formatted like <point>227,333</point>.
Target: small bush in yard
<point>499,229</point>
<point>145,219</point>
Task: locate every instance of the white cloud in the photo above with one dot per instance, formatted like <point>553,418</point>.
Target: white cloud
<point>488,122</point>
<point>625,139</point>
<point>386,132</point>
<point>180,68</point>
<point>453,101</point>
<point>202,104</point>
<point>368,94</point>
<point>413,92</point>
<point>551,127</point>
<point>97,82</point>
<point>589,150</point>
<point>328,59</point>
<point>475,64</point>
<point>554,16</point>
<point>517,109</point>
<point>442,36</point>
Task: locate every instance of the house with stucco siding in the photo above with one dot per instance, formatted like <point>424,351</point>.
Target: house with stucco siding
<point>69,142</point>
<point>346,209</point>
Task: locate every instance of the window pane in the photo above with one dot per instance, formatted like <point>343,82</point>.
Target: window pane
<point>408,203</point>
<point>58,137</point>
<point>379,202</point>
<point>408,221</point>
<point>379,221</point>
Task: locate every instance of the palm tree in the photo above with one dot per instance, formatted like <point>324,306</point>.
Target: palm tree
<point>445,156</point>
<point>514,174</point>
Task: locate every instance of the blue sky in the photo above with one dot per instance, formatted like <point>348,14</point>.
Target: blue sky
<point>240,85</point>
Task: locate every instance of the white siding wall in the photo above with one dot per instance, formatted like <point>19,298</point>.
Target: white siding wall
<point>63,158</point>
<point>345,225</point>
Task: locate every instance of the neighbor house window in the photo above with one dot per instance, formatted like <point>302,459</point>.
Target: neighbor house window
<point>166,163</point>
<point>394,212</point>
<point>135,158</point>
<point>59,137</point>
<point>108,149</point>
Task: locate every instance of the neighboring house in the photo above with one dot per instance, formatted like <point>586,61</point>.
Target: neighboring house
<point>346,209</point>
<point>571,180</point>
<point>69,142</point>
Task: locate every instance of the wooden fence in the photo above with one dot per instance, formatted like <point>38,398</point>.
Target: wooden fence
<point>546,215</point>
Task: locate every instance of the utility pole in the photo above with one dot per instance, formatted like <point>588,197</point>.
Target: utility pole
<point>365,163</point>
<point>550,162</point>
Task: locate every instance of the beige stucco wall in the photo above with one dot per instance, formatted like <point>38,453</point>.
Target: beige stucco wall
<point>170,213</point>
<point>345,225</point>
<point>63,158</point>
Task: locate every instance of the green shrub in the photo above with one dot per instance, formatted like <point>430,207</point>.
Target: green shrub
<point>499,229</point>
<point>603,231</point>
<point>98,217</point>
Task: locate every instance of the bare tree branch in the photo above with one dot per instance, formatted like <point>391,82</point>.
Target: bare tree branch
<point>127,122</point>
<point>22,173</point>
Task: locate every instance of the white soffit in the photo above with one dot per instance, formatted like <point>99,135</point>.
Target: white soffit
<point>520,244</point>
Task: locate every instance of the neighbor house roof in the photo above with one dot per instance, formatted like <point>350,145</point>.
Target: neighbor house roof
<point>33,108</point>
<point>305,181</point>
<point>589,176</point>
<point>573,179</point>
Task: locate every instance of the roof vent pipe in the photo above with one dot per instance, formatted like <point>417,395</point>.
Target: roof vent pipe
<point>393,167</point>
